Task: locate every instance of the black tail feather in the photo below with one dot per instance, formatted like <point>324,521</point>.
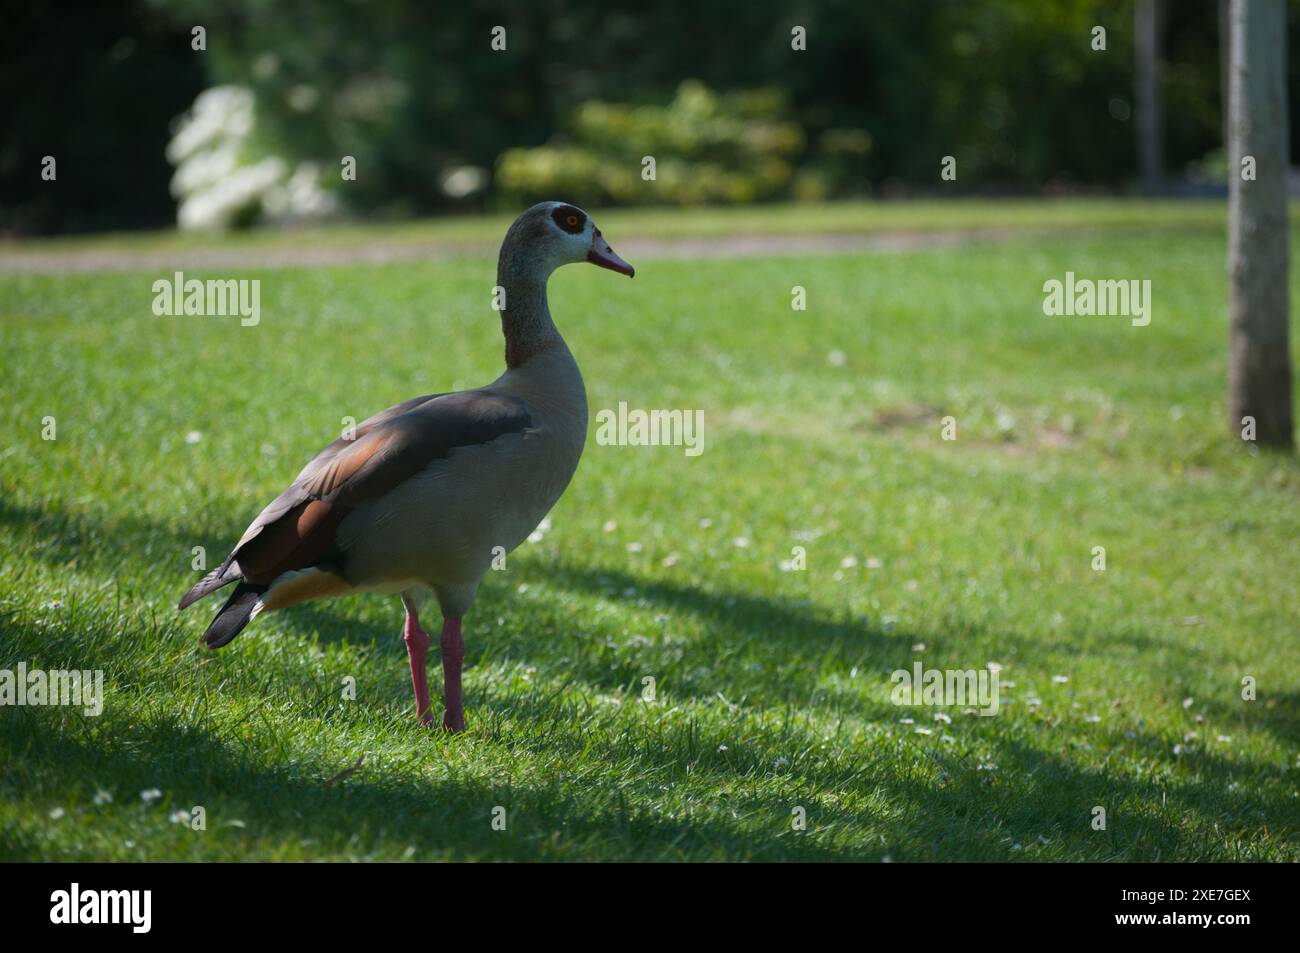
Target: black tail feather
<point>223,575</point>
<point>234,615</point>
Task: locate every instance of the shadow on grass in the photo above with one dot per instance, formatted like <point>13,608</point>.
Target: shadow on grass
<point>782,636</point>
<point>1275,712</point>
<point>444,810</point>
<point>436,812</point>
<point>744,644</point>
<point>430,805</point>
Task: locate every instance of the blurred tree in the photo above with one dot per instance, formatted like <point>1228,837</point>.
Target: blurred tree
<point>1148,27</point>
<point>95,86</point>
<point>416,95</point>
<point>1259,354</point>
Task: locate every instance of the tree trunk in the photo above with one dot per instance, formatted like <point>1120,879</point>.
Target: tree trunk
<point>1150,122</point>
<point>1225,72</point>
<point>1259,353</point>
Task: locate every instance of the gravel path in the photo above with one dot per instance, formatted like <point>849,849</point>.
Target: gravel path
<point>287,256</point>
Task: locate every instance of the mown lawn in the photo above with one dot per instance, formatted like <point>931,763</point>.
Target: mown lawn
<point>1122,689</point>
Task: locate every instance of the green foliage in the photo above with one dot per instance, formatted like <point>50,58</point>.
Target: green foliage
<point>773,686</point>
<point>414,92</point>
<point>733,148</point>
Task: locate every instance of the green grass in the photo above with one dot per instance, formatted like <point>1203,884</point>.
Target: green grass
<point>773,686</point>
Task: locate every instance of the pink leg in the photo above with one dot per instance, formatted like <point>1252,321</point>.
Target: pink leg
<point>453,651</point>
<point>417,650</point>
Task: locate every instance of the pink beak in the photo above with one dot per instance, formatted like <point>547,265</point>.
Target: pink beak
<point>601,254</point>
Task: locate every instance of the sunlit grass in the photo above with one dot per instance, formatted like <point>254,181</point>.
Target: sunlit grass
<point>772,687</point>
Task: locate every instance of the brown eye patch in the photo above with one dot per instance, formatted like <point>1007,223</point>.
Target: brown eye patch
<point>569,218</point>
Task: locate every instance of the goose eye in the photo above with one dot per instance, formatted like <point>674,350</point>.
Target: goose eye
<point>569,218</point>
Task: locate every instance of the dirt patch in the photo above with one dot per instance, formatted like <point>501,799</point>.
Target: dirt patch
<point>894,416</point>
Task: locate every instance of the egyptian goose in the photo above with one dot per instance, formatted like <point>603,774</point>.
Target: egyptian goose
<point>421,496</point>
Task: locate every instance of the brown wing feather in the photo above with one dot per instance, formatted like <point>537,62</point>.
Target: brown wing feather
<point>293,497</point>
<point>298,528</point>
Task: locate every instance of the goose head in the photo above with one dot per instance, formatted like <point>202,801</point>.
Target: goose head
<point>551,234</point>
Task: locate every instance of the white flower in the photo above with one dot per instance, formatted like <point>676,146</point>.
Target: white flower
<point>464,180</point>
<point>103,797</point>
<point>149,795</point>
<point>218,177</point>
<point>219,111</point>
<point>301,197</point>
<point>221,204</point>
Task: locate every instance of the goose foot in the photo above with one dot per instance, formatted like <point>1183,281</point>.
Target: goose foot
<point>453,652</point>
